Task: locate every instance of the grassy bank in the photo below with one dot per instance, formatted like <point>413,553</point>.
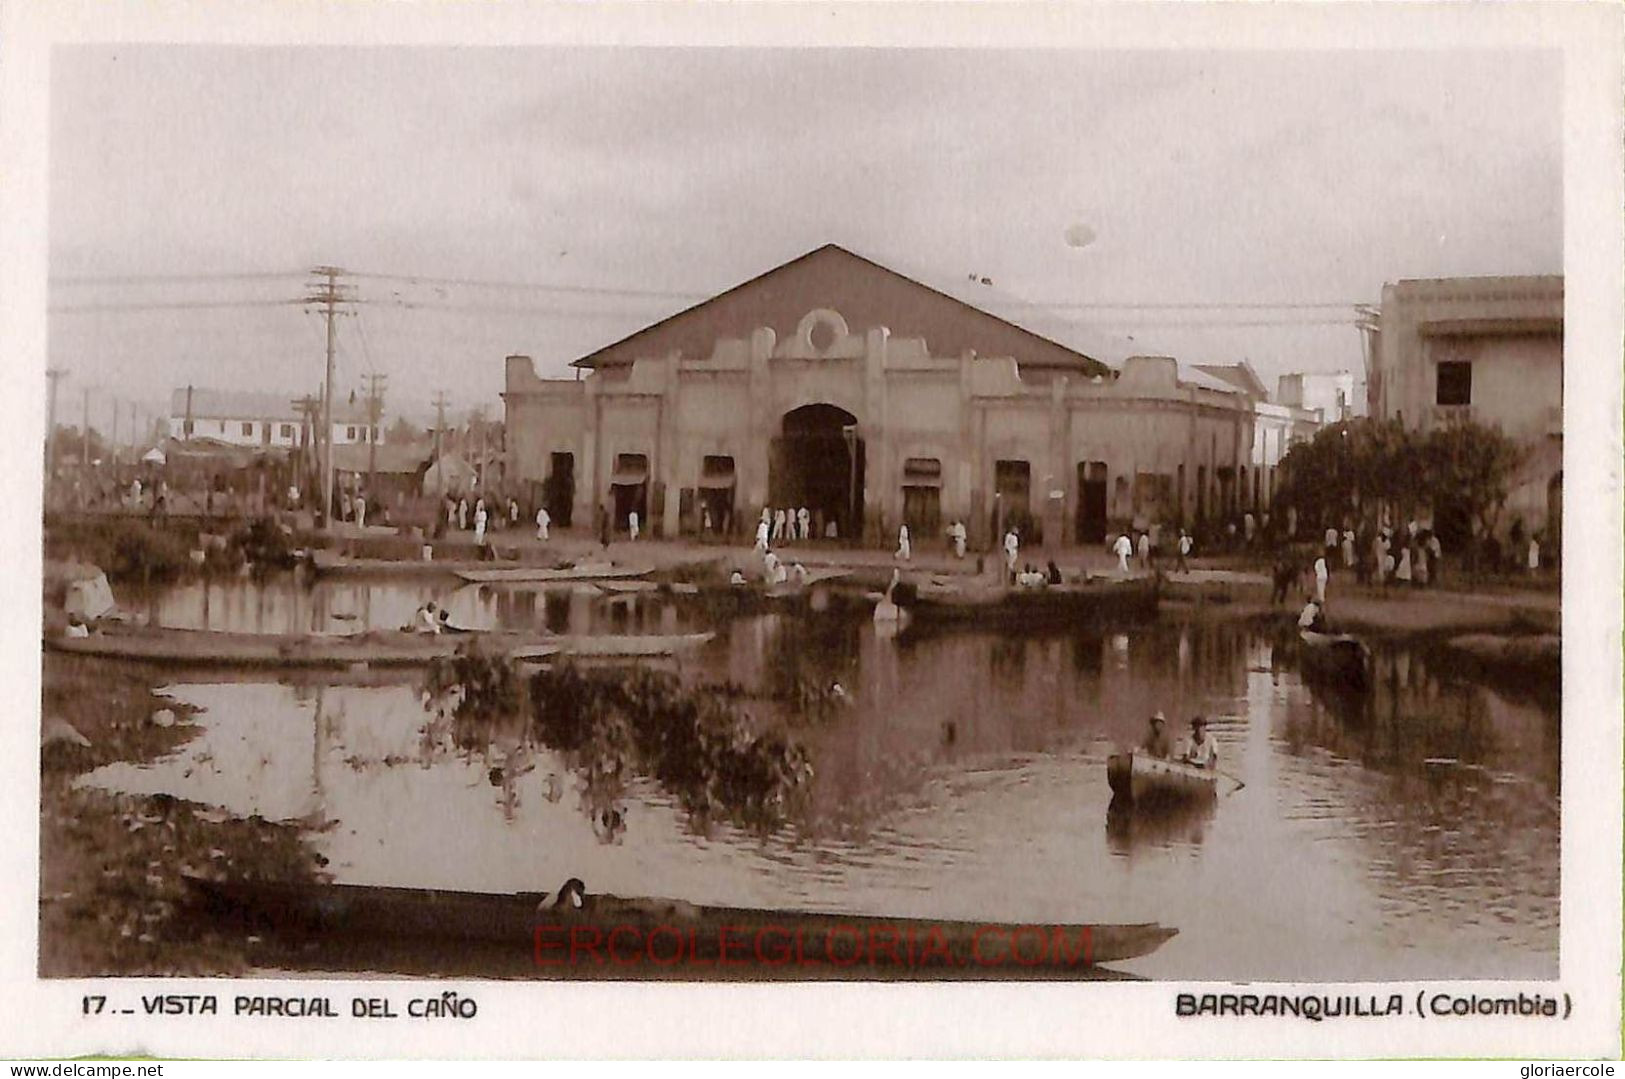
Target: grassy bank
<point>112,901</point>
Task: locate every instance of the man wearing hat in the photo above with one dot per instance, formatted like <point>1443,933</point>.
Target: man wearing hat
<point>1201,751</point>
<point>1157,743</point>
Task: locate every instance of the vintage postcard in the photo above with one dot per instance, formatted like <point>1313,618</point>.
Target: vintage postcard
<point>1002,530</point>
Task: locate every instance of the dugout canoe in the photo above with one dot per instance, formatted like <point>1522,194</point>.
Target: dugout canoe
<point>516,918</point>
<point>1138,778</point>
<point>379,648</point>
<point>532,574</point>
<point>1032,605</point>
<point>1337,654</point>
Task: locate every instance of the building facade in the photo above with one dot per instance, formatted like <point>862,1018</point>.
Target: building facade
<point>1486,349</point>
<point>873,400</point>
<point>1330,393</point>
<point>257,419</point>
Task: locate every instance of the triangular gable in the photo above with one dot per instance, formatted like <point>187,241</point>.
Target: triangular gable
<point>865,293</point>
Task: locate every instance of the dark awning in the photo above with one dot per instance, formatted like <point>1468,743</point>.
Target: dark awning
<point>717,482</point>
<point>922,472</point>
<point>629,475</point>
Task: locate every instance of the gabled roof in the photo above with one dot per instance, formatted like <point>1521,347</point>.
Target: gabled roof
<point>357,457</point>
<point>951,316</point>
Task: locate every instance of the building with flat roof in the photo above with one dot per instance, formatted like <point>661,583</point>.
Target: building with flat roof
<point>876,400</point>
<point>244,418</point>
<point>1487,349</point>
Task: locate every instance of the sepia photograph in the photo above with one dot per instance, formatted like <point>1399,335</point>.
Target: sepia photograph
<point>538,513</point>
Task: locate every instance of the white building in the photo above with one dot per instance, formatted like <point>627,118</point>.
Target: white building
<point>258,419</point>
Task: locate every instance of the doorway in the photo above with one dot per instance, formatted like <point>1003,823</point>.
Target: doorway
<point>559,489</point>
<point>817,462</point>
<point>629,488</point>
<point>1091,502</point>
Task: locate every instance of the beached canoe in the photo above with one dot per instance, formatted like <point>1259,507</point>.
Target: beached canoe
<point>657,929</point>
<point>1136,777</point>
<point>1067,602</point>
<point>380,648</point>
<point>597,571</point>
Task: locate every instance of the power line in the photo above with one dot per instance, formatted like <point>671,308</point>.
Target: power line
<point>178,305</point>
<point>533,286</point>
<point>171,279</point>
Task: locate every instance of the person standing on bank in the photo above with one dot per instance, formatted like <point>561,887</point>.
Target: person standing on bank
<point>632,525</point>
<point>956,533</point>
<point>479,524</point>
<point>805,518</point>
<point>1321,574</point>
<point>904,551</point>
<point>543,520</point>
<point>1123,549</point>
<point>1402,573</point>
<point>1145,550</point>
<point>778,525</point>
<point>1012,550</point>
<point>762,530</point>
<point>1184,549</point>
<point>1348,548</point>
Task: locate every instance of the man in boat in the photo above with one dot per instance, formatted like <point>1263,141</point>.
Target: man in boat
<point>1157,743</point>
<point>1201,751</point>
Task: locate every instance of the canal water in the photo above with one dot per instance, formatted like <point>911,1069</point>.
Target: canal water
<point>1411,832</point>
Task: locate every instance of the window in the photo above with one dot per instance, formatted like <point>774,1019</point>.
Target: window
<point>285,431</point>
<point>1455,383</point>
<point>248,429</point>
<point>349,433</point>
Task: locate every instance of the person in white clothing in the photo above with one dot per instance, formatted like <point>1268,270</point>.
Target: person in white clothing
<point>513,513</point>
<point>956,532</point>
<point>462,514</point>
<point>1123,549</point>
<point>761,535</point>
<point>1144,547</point>
<point>1348,548</point>
<point>904,552</point>
<point>778,525</point>
<point>1012,549</point>
<point>361,511</point>
<point>632,524</point>
<point>1403,571</point>
<point>543,520</point>
<point>479,524</point>
<point>1534,555</point>
<point>770,568</point>
<point>1201,751</point>
<point>804,518</point>
<point>1321,573</point>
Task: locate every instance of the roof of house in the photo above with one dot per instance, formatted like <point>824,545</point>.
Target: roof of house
<point>868,294</point>
<point>211,404</point>
<point>360,457</point>
<point>1239,376</point>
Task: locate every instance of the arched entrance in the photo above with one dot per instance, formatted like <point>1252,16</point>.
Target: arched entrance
<point>817,462</point>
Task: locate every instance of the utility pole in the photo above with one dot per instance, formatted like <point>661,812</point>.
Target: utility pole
<point>308,409</point>
<point>439,449</point>
<point>326,294</point>
<point>186,426</point>
<point>84,440</point>
<point>476,419</point>
<point>51,376</point>
<point>115,439</point>
<point>376,384</point>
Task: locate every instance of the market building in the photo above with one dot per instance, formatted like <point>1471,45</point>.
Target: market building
<point>875,400</point>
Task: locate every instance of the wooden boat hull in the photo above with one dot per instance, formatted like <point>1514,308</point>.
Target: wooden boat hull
<point>1035,605</point>
<point>527,920</point>
<point>1339,655</point>
<point>533,574</point>
<point>389,648</point>
<point>1137,778</point>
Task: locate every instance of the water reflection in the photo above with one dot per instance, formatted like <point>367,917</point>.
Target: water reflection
<point>964,776</point>
<point>293,603</point>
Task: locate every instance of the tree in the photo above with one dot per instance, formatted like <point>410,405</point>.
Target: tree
<point>403,433</point>
<point>1469,469</point>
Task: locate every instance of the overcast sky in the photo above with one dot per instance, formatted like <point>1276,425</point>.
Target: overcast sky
<point>642,180</point>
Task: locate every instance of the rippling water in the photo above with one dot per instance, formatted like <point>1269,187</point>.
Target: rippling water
<point>1411,833</point>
